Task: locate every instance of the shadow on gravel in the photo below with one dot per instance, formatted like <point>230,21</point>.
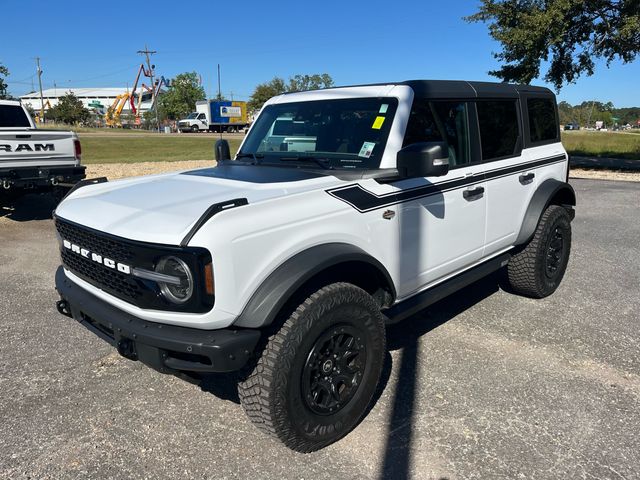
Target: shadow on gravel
<point>28,207</point>
<point>405,336</point>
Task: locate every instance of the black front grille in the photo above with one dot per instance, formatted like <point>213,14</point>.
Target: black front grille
<point>119,284</point>
<point>90,240</point>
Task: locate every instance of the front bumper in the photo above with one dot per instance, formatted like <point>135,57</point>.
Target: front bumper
<point>39,177</point>
<point>165,348</point>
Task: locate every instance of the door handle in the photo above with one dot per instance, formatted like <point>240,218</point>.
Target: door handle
<point>473,193</point>
<point>526,177</point>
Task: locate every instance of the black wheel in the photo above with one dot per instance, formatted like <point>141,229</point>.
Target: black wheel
<point>194,129</point>
<point>537,270</point>
<point>317,374</point>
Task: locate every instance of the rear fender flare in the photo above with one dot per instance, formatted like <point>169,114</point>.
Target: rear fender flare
<point>548,192</point>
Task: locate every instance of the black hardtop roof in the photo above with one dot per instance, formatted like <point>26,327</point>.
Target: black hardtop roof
<point>460,89</point>
<point>465,89</point>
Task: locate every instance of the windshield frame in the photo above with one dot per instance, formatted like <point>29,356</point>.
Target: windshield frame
<point>356,109</point>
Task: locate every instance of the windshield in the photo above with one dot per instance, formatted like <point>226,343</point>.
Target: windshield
<point>192,115</point>
<point>349,133</point>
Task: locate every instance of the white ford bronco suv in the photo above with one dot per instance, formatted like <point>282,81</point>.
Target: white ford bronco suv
<point>286,262</point>
<point>33,160</point>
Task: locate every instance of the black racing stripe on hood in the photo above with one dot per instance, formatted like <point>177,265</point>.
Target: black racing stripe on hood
<point>256,173</point>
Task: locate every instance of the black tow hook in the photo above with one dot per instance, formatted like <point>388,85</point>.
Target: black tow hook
<point>63,308</point>
<point>127,349</point>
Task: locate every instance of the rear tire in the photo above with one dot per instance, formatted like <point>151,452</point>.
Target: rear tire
<point>537,270</point>
<point>318,373</point>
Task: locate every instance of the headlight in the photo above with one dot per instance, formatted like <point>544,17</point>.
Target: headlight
<point>176,292</point>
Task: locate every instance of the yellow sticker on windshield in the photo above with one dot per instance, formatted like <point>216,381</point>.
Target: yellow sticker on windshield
<point>377,123</point>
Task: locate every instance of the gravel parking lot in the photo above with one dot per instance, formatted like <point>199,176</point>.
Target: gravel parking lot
<point>483,385</point>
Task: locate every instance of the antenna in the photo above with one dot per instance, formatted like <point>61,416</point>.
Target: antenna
<point>219,97</point>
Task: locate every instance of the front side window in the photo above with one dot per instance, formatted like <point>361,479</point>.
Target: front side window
<point>345,133</point>
<point>499,130</point>
<point>542,120</point>
<point>441,122</point>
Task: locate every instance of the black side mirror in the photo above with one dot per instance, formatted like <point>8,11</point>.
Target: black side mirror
<point>425,159</point>
<point>222,150</point>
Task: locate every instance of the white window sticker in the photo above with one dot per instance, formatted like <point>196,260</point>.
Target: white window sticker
<point>367,149</point>
<point>383,108</point>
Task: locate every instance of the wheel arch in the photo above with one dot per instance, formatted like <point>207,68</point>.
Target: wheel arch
<point>549,192</point>
<point>305,272</point>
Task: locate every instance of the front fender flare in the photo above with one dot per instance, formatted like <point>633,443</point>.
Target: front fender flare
<point>284,281</point>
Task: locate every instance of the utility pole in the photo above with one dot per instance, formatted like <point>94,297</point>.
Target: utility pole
<point>150,68</point>
<point>41,96</point>
<point>219,92</point>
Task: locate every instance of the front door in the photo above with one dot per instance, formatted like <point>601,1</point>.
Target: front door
<point>442,222</point>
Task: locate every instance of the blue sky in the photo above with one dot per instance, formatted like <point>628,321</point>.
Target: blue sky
<point>94,44</point>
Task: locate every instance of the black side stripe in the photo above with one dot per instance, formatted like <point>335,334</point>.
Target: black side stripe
<point>364,201</point>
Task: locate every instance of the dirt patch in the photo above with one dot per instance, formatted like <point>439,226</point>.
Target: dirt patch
<point>121,170</point>
<point>604,175</point>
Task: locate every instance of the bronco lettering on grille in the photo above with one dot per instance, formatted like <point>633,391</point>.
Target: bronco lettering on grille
<point>96,257</point>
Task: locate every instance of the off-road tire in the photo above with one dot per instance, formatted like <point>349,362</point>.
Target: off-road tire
<point>528,271</point>
<point>272,390</point>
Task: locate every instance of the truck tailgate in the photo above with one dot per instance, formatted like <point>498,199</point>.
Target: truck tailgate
<point>34,148</point>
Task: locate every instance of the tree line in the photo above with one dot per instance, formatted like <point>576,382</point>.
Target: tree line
<point>587,113</point>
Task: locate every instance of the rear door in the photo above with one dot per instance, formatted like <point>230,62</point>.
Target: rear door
<point>510,177</point>
<point>442,224</point>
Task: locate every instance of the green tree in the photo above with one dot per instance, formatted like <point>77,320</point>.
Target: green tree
<point>4,72</point>
<point>265,91</point>
<point>569,34</point>
<point>277,86</point>
<point>180,99</point>
<point>299,83</point>
<point>30,109</point>
<point>69,110</point>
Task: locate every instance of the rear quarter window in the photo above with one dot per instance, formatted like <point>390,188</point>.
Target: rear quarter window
<point>13,116</point>
<point>543,126</point>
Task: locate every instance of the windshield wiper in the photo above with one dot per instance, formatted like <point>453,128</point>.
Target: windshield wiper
<point>321,161</point>
<point>256,158</point>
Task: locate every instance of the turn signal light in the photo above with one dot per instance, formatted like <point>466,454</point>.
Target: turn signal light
<point>208,279</point>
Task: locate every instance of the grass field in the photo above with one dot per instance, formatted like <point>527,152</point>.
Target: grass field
<point>162,148</point>
<point>602,144</point>
<point>152,148</point>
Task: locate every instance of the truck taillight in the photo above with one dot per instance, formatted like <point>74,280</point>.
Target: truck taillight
<point>77,149</point>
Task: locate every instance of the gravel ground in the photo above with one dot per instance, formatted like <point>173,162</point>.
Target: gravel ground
<point>482,385</point>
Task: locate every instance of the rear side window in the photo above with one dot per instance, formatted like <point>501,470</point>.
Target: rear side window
<point>441,122</point>
<point>13,116</point>
<point>498,128</point>
<point>542,120</point>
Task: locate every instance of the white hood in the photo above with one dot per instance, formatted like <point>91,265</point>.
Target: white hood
<point>163,208</point>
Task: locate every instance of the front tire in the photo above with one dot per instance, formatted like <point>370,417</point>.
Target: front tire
<point>319,371</point>
<point>195,129</point>
<point>537,270</point>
